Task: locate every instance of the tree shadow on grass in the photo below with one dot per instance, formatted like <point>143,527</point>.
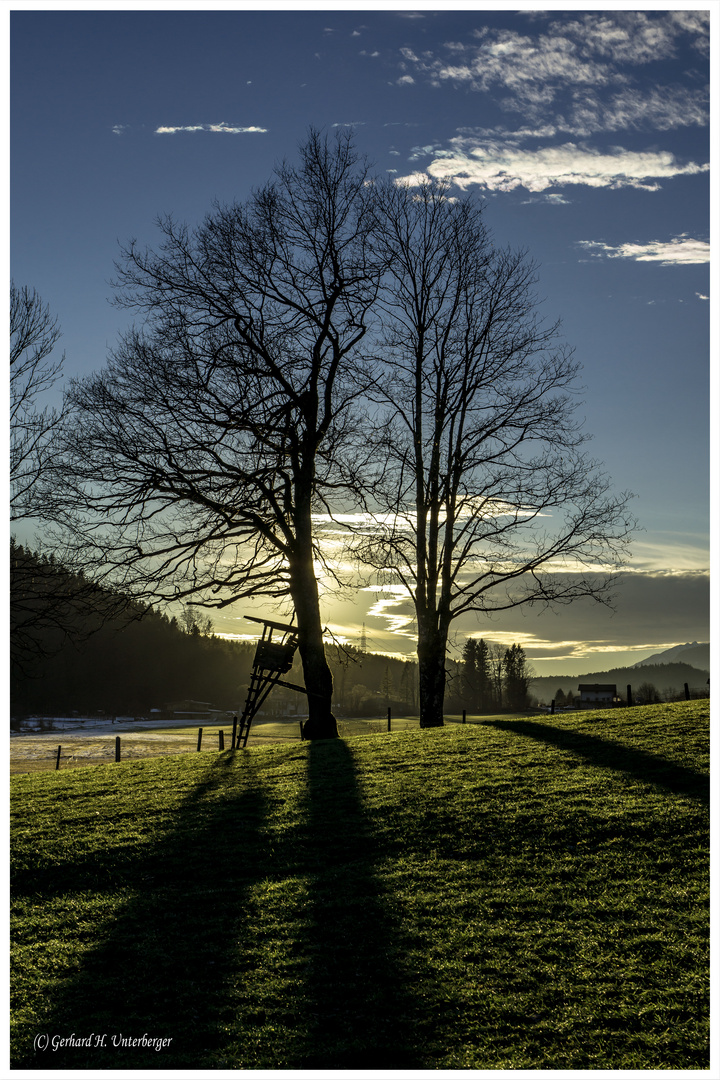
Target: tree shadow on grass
<point>640,764</point>
<point>361,1006</point>
<point>167,955</point>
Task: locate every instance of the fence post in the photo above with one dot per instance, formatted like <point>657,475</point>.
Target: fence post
<point>117,747</point>
<point>687,692</point>
<point>221,740</point>
<point>464,715</point>
<point>389,718</point>
<point>552,707</point>
<point>629,695</point>
<point>57,763</point>
<point>302,732</point>
<point>199,737</point>
<point>234,733</point>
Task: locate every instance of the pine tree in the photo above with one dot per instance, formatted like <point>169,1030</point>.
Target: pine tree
<point>484,701</point>
<point>516,679</point>
<point>469,674</point>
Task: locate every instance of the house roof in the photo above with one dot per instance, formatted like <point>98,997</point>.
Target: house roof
<point>597,688</point>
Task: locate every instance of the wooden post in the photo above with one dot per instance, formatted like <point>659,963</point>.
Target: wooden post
<point>199,737</point>
<point>552,707</point>
<point>629,695</point>
<point>302,733</point>
<point>233,740</point>
<point>57,763</point>
<point>464,715</point>
<point>117,747</point>
<point>221,740</point>
<point>389,718</point>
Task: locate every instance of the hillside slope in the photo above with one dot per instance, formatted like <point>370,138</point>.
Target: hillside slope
<point>514,894</point>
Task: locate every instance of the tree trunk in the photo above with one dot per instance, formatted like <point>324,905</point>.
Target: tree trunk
<point>320,723</point>
<point>431,670</point>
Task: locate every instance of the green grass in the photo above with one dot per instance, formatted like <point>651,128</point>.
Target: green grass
<point>516,894</point>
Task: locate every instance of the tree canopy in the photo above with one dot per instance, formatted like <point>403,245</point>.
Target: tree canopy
<point>336,343</point>
<point>484,498</point>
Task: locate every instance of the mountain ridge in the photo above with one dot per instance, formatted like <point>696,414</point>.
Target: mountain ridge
<point>695,653</point>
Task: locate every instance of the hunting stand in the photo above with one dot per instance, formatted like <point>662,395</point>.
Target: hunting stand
<point>273,658</point>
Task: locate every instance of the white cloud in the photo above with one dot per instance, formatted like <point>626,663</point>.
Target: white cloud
<point>552,200</point>
<point>701,296</point>
<point>225,129</point>
<point>628,37</point>
<point>660,108</point>
<point>499,167</point>
<point>580,58</point>
<point>405,80</point>
<point>681,251</point>
<point>120,129</point>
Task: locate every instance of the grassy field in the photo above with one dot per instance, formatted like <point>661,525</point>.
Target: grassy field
<point>516,894</point>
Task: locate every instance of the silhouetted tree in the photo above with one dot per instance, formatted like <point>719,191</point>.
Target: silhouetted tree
<point>647,694</point>
<point>193,465</point>
<point>517,678</point>
<point>484,487</point>
<point>469,677</point>
<point>34,333</point>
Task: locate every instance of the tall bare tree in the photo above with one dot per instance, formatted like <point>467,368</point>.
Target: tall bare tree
<point>193,465</point>
<point>34,334</point>
<point>484,491</point>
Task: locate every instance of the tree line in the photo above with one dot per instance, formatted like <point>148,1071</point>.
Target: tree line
<point>77,649</point>
<point>337,371</point>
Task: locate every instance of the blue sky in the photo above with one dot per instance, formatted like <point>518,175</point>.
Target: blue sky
<point>586,132</point>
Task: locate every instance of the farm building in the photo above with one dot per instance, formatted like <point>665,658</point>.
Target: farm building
<point>597,693</point>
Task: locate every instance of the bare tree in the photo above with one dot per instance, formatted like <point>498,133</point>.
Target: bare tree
<point>484,492</point>
<point>34,333</point>
<point>193,465</point>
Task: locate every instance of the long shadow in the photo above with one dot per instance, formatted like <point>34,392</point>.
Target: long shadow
<point>166,958</point>
<point>360,1004</point>
<point>641,764</point>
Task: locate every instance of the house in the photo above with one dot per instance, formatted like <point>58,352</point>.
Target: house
<point>597,693</point>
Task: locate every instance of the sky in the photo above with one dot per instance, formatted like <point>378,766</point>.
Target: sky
<point>584,129</point>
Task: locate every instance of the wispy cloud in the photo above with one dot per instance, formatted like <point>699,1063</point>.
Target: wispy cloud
<point>682,250</point>
<point>499,167</point>
<point>224,129</point>
<point>561,77</point>
<point>551,200</point>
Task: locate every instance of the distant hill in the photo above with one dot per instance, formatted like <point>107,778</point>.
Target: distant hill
<point>663,677</point>
<point>698,655</point>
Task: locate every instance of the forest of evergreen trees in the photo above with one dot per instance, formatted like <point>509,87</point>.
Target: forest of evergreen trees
<point>80,649</point>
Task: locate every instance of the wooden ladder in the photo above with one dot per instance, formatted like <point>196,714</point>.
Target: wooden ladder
<point>273,658</point>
